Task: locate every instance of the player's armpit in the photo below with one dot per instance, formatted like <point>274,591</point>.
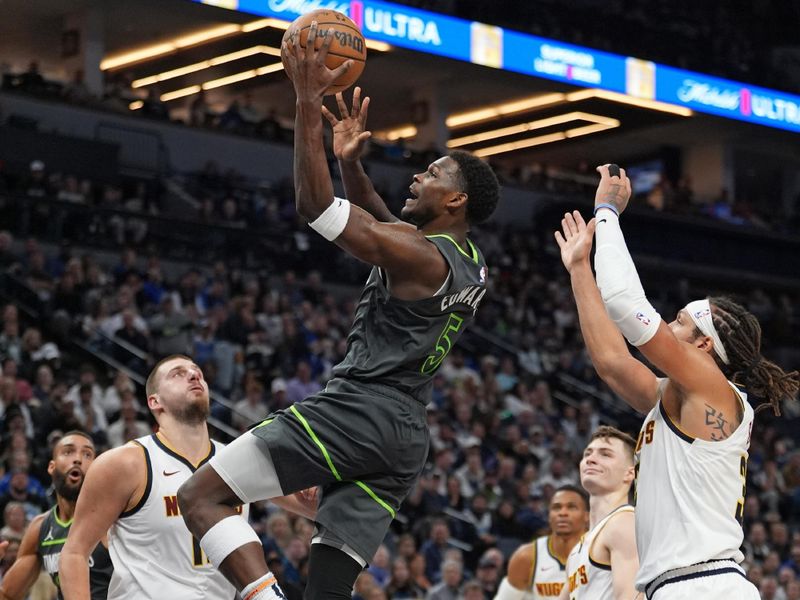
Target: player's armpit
<point>692,369</point>
<point>23,573</point>
<point>399,248</point>
<point>634,382</point>
<point>113,484</point>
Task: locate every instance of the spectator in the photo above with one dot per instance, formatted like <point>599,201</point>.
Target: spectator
<point>301,385</point>
<point>400,584</point>
<point>171,329</point>
<point>251,409</point>
<point>434,547</point>
<point>14,521</point>
<point>129,425</point>
<point>451,582</point>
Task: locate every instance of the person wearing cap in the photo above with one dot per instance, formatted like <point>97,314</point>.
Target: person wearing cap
<point>691,455</point>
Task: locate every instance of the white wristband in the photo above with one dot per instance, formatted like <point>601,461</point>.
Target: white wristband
<point>331,223</point>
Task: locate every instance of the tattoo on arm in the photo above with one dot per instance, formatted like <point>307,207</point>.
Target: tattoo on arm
<point>720,427</point>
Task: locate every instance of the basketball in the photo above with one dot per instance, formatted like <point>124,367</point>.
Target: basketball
<point>348,43</point>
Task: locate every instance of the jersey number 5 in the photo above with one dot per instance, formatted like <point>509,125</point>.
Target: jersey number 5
<point>443,344</point>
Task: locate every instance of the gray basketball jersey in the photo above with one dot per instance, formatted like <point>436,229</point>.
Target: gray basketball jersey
<point>52,537</point>
<point>401,343</point>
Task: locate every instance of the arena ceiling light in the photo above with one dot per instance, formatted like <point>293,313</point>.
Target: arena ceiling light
<point>501,110</point>
<point>531,126</point>
<point>542,139</point>
<point>202,37</point>
<point>205,64</point>
<point>396,133</point>
<point>681,111</point>
<point>512,107</point>
<point>220,82</point>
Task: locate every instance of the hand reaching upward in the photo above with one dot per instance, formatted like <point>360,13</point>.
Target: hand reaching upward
<point>349,130</point>
<point>576,241</point>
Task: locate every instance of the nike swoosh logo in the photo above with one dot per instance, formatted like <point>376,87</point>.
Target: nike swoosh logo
<point>602,220</point>
<point>546,568</point>
<point>169,474</point>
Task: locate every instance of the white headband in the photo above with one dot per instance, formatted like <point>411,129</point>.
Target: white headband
<point>700,312</point>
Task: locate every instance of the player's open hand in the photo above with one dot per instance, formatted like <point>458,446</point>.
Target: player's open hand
<point>576,240</point>
<point>350,133</point>
<point>614,188</point>
<point>306,66</point>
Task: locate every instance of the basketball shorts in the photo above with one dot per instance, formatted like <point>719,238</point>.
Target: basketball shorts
<point>365,444</point>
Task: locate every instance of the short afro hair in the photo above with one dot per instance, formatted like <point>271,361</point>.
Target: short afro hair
<point>479,183</point>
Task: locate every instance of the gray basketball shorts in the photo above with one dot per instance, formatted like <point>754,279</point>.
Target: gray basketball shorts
<point>365,444</point>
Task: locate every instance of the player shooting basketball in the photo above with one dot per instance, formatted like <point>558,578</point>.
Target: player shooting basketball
<point>364,438</point>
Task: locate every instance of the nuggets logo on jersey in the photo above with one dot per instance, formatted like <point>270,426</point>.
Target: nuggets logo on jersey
<point>155,554</point>
<point>548,571</point>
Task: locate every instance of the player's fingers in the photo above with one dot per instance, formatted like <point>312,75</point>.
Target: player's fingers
<point>311,40</point>
<point>343,112</point>
<point>573,227</point>
<point>576,214</point>
<point>330,116</point>
<point>565,229</point>
<point>602,169</point>
<point>326,45</point>
<point>591,226</point>
<point>559,239</point>
<point>364,136</point>
<point>356,100</point>
<point>341,69</point>
<point>362,113</point>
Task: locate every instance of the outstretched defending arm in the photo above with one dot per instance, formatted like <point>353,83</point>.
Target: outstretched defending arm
<point>610,356</point>
<point>626,303</point>
<point>350,136</point>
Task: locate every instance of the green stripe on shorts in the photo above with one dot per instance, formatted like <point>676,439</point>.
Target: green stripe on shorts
<point>327,456</point>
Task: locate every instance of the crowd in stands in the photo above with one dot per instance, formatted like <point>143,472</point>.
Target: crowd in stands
<point>501,440</point>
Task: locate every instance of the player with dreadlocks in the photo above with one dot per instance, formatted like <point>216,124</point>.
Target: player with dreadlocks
<point>693,447</point>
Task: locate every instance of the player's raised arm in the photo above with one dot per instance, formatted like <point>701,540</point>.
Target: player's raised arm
<point>115,483</point>
<point>610,356</point>
<point>397,247</point>
<point>25,570</point>
<point>350,137</point>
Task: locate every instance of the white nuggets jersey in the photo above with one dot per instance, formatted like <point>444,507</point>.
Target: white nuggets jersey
<point>154,555</point>
<point>587,578</point>
<point>548,574</point>
<point>689,494</point>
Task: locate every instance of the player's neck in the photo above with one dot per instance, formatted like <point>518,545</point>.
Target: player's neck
<point>65,509</point>
<point>457,231</point>
<point>561,545</point>
<point>602,504</point>
<point>190,441</point>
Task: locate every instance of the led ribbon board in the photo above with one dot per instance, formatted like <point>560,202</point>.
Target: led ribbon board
<point>491,46</point>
